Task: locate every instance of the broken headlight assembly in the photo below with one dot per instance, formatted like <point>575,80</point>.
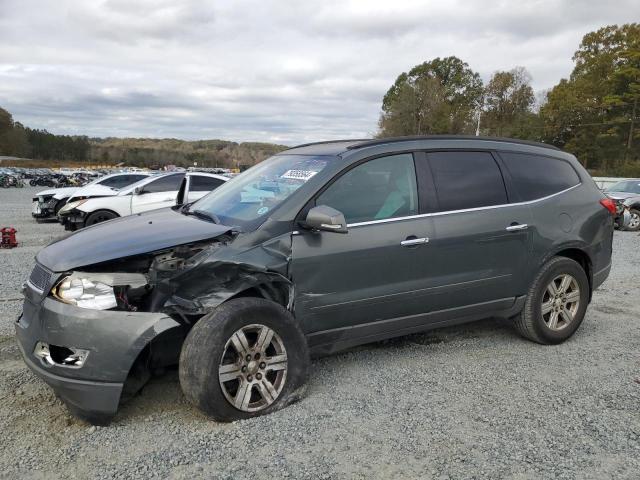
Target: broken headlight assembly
<point>96,291</point>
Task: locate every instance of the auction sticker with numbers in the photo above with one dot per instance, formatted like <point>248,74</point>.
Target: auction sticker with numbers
<point>303,175</point>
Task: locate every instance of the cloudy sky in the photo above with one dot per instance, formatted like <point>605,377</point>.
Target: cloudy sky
<point>263,70</point>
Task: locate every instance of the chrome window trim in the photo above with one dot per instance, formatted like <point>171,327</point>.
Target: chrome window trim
<point>465,210</point>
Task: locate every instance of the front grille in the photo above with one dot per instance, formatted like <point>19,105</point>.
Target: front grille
<point>40,277</point>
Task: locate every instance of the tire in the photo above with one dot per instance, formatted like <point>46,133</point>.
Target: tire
<point>634,224</point>
<point>209,345</point>
<point>99,216</point>
<point>535,325</point>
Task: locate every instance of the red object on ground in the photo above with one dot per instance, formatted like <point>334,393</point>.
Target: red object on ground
<point>8,237</point>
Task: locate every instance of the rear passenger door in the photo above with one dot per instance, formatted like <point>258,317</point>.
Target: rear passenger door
<point>159,193</point>
<point>481,242</point>
<point>200,185</point>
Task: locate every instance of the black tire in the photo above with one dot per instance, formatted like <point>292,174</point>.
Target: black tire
<point>530,322</point>
<point>99,216</point>
<point>204,347</point>
<point>635,213</point>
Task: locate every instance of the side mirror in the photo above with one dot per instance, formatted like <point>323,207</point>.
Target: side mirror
<point>326,219</point>
<point>138,191</point>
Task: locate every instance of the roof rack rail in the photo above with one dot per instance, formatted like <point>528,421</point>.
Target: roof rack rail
<point>380,141</point>
<point>330,141</point>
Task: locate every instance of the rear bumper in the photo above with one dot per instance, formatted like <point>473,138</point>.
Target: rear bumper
<point>600,276</point>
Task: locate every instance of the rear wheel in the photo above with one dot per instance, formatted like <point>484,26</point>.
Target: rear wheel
<point>99,216</point>
<point>556,302</point>
<point>634,223</point>
<point>248,357</point>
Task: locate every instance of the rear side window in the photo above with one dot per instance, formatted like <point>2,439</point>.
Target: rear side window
<point>170,183</point>
<point>535,176</point>
<point>200,183</point>
<point>376,190</point>
<point>121,180</point>
<point>466,180</point>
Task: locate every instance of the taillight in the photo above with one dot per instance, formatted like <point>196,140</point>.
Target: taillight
<point>609,204</point>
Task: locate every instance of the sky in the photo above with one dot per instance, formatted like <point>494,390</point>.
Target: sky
<point>286,72</point>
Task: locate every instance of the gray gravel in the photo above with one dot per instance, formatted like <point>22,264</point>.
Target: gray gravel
<point>474,401</point>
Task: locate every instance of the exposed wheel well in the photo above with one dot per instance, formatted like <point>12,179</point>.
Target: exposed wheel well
<point>583,259</point>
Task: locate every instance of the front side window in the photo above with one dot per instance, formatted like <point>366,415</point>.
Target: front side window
<point>536,177</point>
<point>466,180</point>
<point>168,183</point>
<point>200,183</point>
<point>376,190</point>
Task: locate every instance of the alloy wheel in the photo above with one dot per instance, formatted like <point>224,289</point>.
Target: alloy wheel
<point>560,302</point>
<point>253,368</point>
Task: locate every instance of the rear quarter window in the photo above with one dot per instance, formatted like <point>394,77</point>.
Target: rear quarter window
<point>535,176</point>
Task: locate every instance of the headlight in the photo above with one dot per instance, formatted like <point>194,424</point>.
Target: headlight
<point>85,293</point>
<point>72,205</point>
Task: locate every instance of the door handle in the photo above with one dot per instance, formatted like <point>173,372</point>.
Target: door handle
<point>414,241</point>
<point>517,227</point>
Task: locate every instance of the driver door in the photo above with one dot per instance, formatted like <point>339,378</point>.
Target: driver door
<point>369,274</point>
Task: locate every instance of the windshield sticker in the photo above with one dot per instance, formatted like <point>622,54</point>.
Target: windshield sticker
<point>263,210</point>
<point>299,174</point>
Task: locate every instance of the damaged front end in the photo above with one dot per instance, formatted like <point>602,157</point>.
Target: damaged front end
<point>96,333</point>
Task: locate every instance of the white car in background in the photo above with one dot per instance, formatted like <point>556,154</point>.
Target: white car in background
<point>47,203</point>
<point>154,192</point>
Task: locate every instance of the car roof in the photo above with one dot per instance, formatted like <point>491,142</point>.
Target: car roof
<point>207,174</point>
<point>337,147</point>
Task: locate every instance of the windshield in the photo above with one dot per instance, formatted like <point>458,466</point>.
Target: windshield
<point>628,186</point>
<point>246,200</point>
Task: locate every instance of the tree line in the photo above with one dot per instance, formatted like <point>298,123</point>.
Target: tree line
<point>593,114</point>
<point>20,141</point>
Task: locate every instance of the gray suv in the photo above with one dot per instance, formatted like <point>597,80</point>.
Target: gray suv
<point>319,248</point>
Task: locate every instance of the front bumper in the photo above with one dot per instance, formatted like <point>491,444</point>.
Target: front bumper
<point>73,219</point>
<point>114,340</point>
<point>44,208</point>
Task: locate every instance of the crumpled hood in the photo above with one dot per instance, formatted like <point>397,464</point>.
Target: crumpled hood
<point>621,195</point>
<point>64,192</point>
<point>127,236</point>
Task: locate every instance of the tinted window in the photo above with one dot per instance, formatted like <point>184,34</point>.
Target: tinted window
<point>378,189</point>
<point>466,180</point>
<point>201,183</point>
<point>121,180</point>
<point>536,177</point>
<point>170,183</point>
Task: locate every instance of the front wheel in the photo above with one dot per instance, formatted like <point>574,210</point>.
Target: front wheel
<point>556,302</point>
<point>99,217</point>
<point>248,357</point>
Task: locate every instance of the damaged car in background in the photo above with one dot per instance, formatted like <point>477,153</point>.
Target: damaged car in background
<point>319,248</point>
<point>47,203</point>
<point>156,191</point>
<point>626,194</point>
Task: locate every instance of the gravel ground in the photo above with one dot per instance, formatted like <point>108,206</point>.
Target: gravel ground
<point>473,401</point>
